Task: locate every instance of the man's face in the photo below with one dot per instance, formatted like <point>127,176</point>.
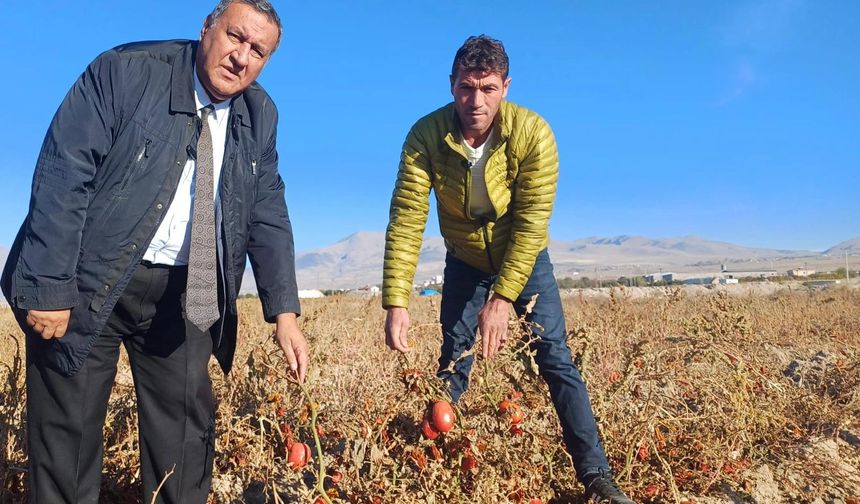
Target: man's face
<point>234,50</point>
<point>477,97</point>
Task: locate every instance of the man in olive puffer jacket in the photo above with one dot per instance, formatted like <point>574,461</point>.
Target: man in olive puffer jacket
<point>494,168</point>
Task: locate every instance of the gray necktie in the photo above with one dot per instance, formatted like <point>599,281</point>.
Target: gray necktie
<point>201,293</point>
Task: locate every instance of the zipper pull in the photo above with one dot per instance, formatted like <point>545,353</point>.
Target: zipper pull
<point>143,152</point>
<point>253,167</point>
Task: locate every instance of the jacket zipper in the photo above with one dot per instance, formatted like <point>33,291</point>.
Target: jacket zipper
<point>468,195</point>
<point>144,153</point>
<point>484,220</point>
<point>487,245</point>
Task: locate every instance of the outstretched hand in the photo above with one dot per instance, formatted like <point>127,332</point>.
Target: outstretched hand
<point>397,329</point>
<point>291,340</point>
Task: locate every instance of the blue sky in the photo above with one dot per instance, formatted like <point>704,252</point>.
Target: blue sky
<point>732,120</point>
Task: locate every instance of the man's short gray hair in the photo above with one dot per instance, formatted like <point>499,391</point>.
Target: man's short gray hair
<point>261,6</point>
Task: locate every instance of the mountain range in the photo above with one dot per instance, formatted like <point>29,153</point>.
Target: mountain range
<point>356,260</point>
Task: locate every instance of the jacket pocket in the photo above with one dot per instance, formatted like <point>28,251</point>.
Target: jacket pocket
<point>112,263</point>
<point>134,165</point>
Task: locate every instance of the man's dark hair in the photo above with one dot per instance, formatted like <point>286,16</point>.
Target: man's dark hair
<point>481,54</point>
<point>262,6</point>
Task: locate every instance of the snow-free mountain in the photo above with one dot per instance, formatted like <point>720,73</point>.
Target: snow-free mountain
<point>851,246</point>
<point>356,260</point>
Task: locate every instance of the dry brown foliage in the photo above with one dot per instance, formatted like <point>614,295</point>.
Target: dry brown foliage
<point>699,399</point>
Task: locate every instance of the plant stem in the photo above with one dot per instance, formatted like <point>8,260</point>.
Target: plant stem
<point>321,475</point>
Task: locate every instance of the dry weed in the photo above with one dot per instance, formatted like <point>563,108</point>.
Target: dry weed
<point>695,397</point>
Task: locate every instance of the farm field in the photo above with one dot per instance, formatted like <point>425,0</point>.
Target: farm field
<point>712,398</point>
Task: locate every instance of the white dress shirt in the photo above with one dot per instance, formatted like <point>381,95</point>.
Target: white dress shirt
<point>173,238</point>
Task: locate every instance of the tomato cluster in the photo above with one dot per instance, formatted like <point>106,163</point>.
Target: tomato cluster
<point>513,412</point>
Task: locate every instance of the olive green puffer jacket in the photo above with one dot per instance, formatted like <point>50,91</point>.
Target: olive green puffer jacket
<point>521,176</point>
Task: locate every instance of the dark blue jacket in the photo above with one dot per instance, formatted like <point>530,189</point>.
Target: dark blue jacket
<point>106,174</point>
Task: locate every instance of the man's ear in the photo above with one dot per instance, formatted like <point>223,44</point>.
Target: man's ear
<point>205,27</point>
<point>505,87</point>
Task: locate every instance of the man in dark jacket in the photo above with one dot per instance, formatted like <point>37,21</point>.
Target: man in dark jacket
<point>158,175</point>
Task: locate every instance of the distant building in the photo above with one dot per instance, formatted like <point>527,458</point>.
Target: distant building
<point>434,280</point>
<point>747,273</point>
<point>801,272</point>
<point>659,277</point>
<point>310,294</point>
<point>701,281</point>
<point>728,281</point>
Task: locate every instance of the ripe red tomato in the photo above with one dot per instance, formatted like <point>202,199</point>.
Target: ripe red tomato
<point>535,501</point>
<point>504,406</point>
<point>336,477</point>
<point>516,414</point>
<point>443,416</point>
<point>428,430</point>
<point>300,454</point>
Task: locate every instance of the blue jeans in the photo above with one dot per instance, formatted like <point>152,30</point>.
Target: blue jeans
<point>464,293</point>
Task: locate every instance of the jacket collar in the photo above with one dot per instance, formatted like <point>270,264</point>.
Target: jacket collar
<point>182,87</point>
<point>454,137</point>
<point>182,81</point>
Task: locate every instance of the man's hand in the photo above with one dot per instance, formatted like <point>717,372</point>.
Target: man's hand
<point>493,325</point>
<point>397,328</point>
<point>292,342</point>
<point>49,323</point>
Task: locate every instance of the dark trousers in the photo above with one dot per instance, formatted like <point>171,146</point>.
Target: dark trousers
<point>465,292</point>
<point>169,360</point>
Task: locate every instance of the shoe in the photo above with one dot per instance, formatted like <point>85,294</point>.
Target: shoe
<point>602,488</point>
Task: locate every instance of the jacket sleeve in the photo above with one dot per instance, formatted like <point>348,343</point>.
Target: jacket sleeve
<point>533,199</point>
<point>80,136</point>
<point>407,219</point>
<point>270,239</point>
